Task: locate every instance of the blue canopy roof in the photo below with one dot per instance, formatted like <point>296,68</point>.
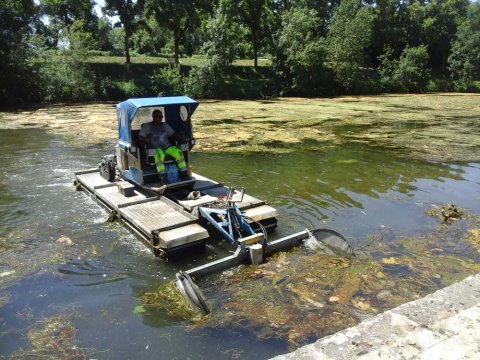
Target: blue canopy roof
<point>127,110</point>
<point>160,101</point>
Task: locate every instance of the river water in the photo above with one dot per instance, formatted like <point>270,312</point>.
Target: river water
<point>97,280</point>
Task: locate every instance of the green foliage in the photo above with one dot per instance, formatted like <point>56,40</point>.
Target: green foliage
<point>62,74</point>
<point>439,25</point>
<point>349,36</point>
<point>223,37</point>
<point>464,62</point>
<point>254,14</point>
<point>150,39</point>
<point>69,11</point>
<point>207,80</point>
<point>409,73</point>
<point>301,55</point>
<point>62,14</point>
<point>179,17</point>
<point>17,80</point>
<point>129,13</point>
<point>104,36</point>
<point>317,47</point>
<point>63,77</point>
<point>168,81</point>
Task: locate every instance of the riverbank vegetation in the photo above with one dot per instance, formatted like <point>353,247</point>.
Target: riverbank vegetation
<point>62,51</point>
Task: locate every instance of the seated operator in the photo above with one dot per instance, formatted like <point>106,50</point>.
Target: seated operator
<point>156,134</point>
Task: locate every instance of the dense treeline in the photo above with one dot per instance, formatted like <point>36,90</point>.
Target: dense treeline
<point>315,47</point>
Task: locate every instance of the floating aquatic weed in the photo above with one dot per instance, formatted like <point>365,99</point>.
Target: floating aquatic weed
<point>447,213</point>
<point>5,299</point>
<point>436,131</point>
<point>329,292</point>
<point>168,298</point>
<point>53,338</point>
<point>270,299</point>
<point>474,238</point>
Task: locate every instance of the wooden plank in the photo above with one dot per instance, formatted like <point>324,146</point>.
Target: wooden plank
<point>191,204</point>
<point>247,202</point>
<point>101,186</point>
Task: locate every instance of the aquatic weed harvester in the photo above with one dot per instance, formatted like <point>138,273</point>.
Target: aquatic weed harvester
<point>173,212</point>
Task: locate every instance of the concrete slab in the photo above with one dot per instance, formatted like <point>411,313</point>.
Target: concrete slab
<point>442,325</point>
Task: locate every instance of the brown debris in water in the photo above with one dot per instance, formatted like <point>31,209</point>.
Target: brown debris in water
<point>299,296</point>
<point>447,213</point>
<point>53,338</point>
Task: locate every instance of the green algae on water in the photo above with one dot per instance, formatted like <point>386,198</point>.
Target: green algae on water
<point>53,338</point>
<point>168,298</point>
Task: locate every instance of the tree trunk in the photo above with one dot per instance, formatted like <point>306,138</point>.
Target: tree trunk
<point>127,47</point>
<point>255,51</point>
<point>176,47</point>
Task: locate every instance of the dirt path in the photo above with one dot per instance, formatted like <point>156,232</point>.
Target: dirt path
<point>429,126</point>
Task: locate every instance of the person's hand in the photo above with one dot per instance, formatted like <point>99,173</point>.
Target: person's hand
<point>180,138</point>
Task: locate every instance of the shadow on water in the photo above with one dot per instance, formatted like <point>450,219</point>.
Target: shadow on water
<point>62,258</point>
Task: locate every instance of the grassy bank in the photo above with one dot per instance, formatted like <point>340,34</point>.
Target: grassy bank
<point>116,80</point>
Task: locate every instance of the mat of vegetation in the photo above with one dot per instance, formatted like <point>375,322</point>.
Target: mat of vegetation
<point>441,127</point>
<point>331,292</point>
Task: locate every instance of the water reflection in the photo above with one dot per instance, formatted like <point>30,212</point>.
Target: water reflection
<point>371,186</point>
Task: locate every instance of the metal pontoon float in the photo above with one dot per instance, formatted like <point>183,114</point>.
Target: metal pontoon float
<point>162,224</point>
<point>175,213</point>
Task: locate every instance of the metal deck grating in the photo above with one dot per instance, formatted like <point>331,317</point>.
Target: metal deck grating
<point>155,215</point>
<point>116,199</point>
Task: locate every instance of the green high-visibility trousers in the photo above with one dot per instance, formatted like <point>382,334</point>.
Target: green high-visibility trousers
<point>174,152</point>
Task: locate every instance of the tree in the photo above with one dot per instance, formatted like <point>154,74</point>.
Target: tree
<point>439,27</point>
<point>62,14</point>
<point>408,73</point>
<point>180,17</point>
<point>223,37</point>
<point>300,54</point>
<point>349,35</point>
<point>65,76</point>
<point>254,14</point>
<point>464,62</point>
<point>104,35</point>
<point>150,39</point>
<point>129,13</point>
<point>67,11</point>
<point>389,28</point>
<point>17,18</point>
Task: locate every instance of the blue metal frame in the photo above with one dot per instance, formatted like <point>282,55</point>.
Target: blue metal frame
<point>225,227</point>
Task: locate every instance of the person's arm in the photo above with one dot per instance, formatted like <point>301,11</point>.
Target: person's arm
<point>144,135</point>
<point>171,134</point>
